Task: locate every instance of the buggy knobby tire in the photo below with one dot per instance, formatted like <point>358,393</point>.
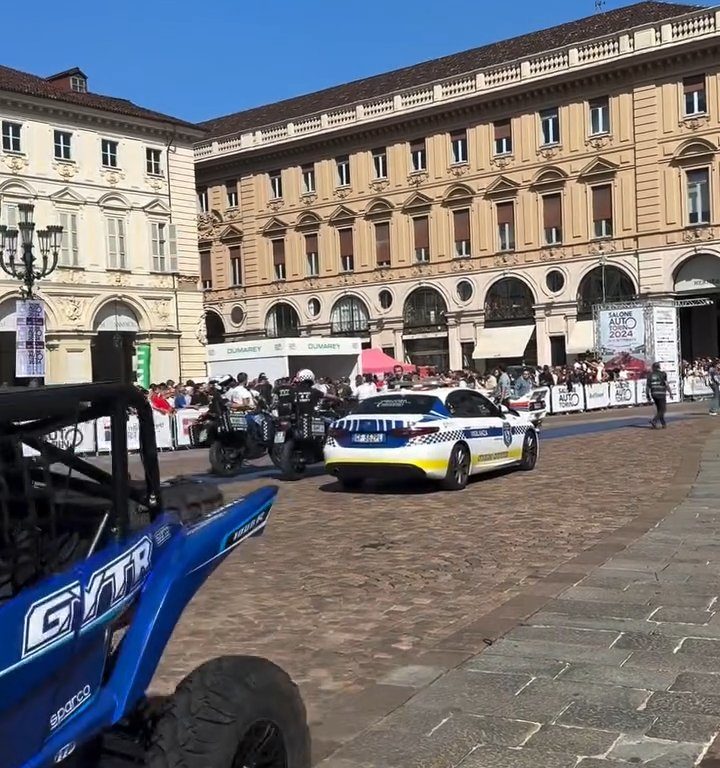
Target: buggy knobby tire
<point>217,710</point>
<point>191,499</point>
<point>458,471</point>
<point>288,463</point>
<point>529,451</point>
<point>220,463</point>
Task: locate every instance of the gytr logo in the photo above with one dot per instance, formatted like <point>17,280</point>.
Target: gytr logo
<point>53,619</point>
<point>69,707</point>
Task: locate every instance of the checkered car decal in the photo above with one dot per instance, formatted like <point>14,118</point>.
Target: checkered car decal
<point>521,429</point>
<point>451,435</point>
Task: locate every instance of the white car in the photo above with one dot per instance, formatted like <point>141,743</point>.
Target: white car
<point>440,434</point>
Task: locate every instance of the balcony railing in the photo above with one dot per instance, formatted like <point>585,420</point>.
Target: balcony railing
<point>633,42</point>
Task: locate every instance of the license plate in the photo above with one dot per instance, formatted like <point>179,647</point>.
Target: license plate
<point>318,427</point>
<point>279,437</point>
<point>237,421</point>
<point>369,437</point>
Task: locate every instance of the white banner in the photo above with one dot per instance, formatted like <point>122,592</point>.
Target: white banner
<point>563,401</point>
<point>29,339</point>
<point>665,334</point>
<point>621,340</point>
<point>80,439</point>
<point>622,393</point>
<point>641,397</point>
<point>104,433</point>
<point>163,433</point>
<point>597,396</point>
<point>696,387</point>
<point>184,419</point>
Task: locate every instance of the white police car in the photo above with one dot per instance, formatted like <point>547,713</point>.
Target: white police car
<point>440,434</point>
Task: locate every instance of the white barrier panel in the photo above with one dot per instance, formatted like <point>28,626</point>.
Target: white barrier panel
<point>641,397</point>
<point>597,396</point>
<point>564,401</point>
<point>104,433</point>
<point>696,386</point>
<point>79,439</point>
<point>622,393</point>
<point>184,419</point>
<point>163,433</point>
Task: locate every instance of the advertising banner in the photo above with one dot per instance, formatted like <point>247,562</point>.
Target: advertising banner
<point>104,432</point>
<point>29,339</point>
<point>665,335</point>
<point>563,401</point>
<point>184,419</point>
<point>80,439</point>
<point>597,396</point>
<point>622,393</point>
<point>163,433</point>
<point>621,340</point>
<point>142,366</point>
<point>641,392</point>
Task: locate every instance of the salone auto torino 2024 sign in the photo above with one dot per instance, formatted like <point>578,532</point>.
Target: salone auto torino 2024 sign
<point>621,340</point>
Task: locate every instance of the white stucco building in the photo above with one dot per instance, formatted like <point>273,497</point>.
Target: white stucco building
<point>120,180</point>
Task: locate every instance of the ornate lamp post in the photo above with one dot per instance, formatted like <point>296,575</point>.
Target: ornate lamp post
<point>27,268</point>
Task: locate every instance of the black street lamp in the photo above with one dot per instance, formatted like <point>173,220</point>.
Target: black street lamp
<point>27,269</point>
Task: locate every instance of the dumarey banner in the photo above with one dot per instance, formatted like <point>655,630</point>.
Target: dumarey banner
<point>621,340</point>
<point>29,339</point>
<point>665,338</point>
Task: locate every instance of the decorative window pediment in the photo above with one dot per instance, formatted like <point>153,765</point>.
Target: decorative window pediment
<point>308,221</point>
<point>550,177</point>
<point>502,186</point>
<point>114,201</point>
<point>598,167</point>
<point>458,194</point>
<point>68,196</point>
<point>16,188</point>
<point>157,206</point>
<point>693,150</point>
<point>418,201</point>
<point>275,226</point>
<point>230,233</point>
<point>379,209</point>
<point>342,215</point>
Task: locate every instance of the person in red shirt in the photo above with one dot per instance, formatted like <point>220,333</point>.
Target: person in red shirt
<point>158,399</point>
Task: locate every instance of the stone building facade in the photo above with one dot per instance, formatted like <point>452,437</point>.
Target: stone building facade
<point>120,180</point>
<point>477,206</point>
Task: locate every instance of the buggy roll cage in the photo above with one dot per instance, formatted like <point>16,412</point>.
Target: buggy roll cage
<point>28,414</point>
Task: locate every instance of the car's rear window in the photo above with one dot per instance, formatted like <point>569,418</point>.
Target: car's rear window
<point>397,404</point>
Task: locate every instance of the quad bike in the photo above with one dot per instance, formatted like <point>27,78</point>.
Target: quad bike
<point>95,571</point>
<point>299,440</point>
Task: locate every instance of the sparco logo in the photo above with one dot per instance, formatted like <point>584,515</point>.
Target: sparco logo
<point>69,707</point>
<point>53,619</point>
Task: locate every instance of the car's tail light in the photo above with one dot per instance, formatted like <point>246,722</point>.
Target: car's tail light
<point>413,431</point>
<point>337,432</point>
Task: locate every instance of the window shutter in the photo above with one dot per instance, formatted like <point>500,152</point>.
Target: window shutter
<point>120,243</point>
<point>112,243</point>
<point>278,250</point>
<point>602,202</point>
<point>382,243</point>
<point>693,84</point>
<point>346,242</point>
<point>311,244</point>
<point>552,211</point>
<point>205,267</point>
<point>172,247</point>
<point>65,246</point>
<point>155,239</point>
<point>461,222</point>
<point>502,129</point>
<point>422,237</point>
<point>235,264</point>
<point>505,213</point>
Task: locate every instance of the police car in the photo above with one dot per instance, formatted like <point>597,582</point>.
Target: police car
<point>441,434</point>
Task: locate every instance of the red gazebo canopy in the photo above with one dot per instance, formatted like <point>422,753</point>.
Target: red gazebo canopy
<point>375,361</point>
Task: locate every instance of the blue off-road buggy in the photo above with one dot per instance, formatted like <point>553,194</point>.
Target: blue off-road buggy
<point>95,570</point>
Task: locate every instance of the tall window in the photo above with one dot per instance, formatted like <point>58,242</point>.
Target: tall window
<point>9,215</point>
<point>503,137</point>
<point>164,246</point>
<point>347,258</point>
<point>308,179</point>
<point>78,84</point>
<point>550,125</point>
<point>602,211</point>
<point>312,255</point>
<point>421,236</point>
<point>206,270</point>
<point>282,320</point>
<point>342,167</point>
<point>152,161</point>
<point>62,145</point>
<point>231,193</point>
<point>552,218</point>
<point>382,243</point>
<point>349,316</point>
<point>116,243</point>
<point>418,155</point>
<point>508,301</point>
<point>203,204</point>
<point>109,153</point>
<point>600,116</point>
<point>380,164</point>
<point>69,251</point>
<point>459,146</point>
<point>461,227</point>
<point>11,136</point>
<point>695,95</point>
<point>278,252</point>
<point>506,225</point>
<point>276,190</point>
<point>235,265</point>
<point>698,196</point>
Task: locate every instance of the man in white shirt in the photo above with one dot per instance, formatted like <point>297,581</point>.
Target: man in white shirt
<point>240,397</point>
<point>366,389</point>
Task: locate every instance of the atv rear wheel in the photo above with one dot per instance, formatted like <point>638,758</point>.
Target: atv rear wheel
<point>225,461</point>
<point>291,461</point>
<point>233,712</point>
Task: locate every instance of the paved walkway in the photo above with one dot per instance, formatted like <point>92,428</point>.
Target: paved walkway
<point>604,663</point>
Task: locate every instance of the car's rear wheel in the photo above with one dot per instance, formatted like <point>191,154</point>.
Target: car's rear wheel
<point>530,451</point>
<point>458,471</point>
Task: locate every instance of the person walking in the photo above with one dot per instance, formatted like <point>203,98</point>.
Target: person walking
<point>657,390</point>
<point>713,376</point>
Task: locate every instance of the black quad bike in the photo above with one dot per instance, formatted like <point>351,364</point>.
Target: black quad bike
<point>299,440</point>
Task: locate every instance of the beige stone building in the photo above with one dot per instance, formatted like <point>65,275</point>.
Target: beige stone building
<point>480,204</point>
<point>120,181</point>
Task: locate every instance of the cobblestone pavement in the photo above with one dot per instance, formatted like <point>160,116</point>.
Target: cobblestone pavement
<point>367,598</point>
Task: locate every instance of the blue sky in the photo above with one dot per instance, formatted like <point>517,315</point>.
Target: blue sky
<point>197,60</point>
